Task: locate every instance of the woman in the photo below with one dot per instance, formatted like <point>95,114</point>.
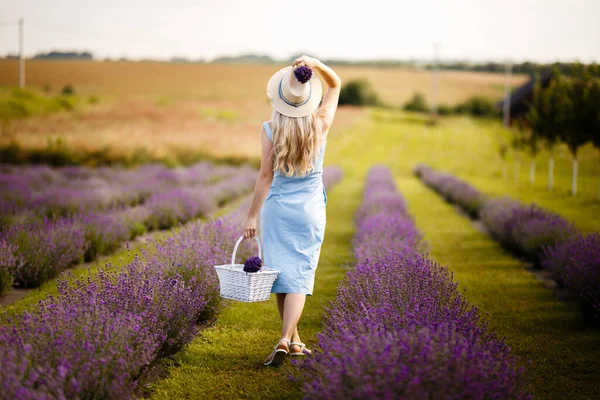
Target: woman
<point>292,218</point>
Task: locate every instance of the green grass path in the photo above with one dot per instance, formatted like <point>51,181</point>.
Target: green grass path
<point>225,360</point>
<point>565,354</point>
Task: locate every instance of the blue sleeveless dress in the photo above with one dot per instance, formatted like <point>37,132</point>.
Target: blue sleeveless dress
<point>292,227</point>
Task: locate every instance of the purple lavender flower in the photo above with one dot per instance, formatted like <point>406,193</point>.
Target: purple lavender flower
<point>303,74</point>
<point>253,264</point>
<point>100,333</point>
<point>575,264</point>
<point>399,327</point>
<point>453,189</point>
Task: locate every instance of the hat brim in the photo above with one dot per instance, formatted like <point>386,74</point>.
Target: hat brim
<point>290,111</point>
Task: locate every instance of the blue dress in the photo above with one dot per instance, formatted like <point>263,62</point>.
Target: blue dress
<point>292,227</point>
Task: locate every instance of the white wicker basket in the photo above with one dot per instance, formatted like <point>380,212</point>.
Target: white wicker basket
<point>236,284</point>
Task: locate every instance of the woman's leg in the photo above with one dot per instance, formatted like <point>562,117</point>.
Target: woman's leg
<point>280,307</point>
<point>293,305</point>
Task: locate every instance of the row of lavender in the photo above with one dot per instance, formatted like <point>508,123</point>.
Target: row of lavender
<point>399,327</point>
<point>57,218</point>
<point>51,192</point>
<point>544,238</point>
<point>100,335</point>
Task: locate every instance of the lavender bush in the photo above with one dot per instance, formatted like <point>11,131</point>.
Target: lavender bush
<point>10,265</point>
<point>99,335</point>
<point>534,229</point>
<point>454,190</point>
<point>399,327</point>
<point>525,230</point>
<point>105,205</point>
<point>46,248</point>
<point>575,264</point>
<point>383,219</point>
<point>332,175</point>
<point>432,362</point>
<point>103,233</point>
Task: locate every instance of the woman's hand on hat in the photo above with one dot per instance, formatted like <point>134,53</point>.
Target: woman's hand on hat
<point>310,62</point>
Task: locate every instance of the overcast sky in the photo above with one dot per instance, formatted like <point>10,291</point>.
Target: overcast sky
<point>538,30</point>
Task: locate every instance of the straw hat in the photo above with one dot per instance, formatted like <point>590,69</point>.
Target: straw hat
<point>295,92</point>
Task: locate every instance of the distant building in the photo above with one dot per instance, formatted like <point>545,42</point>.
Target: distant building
<point>523,96</point>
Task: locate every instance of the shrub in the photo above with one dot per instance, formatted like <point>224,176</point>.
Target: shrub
<point>534,228</point>
<point>103,233</point>
<point>10,265</point>
<point>168,209</point>
<point>575,263</point>
<point>444,109</point>
<point>68,90</point>
<point>399,327</point>
<point>454,190</point>
<point>437,362</point>
<point>98,336</point>
<point>332,175</point>
<point>47,248</point>
<point>478,107</point>
<point>417,103</point>
<point>358,93</point>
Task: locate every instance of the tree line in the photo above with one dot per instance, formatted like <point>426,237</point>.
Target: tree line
<point>567,111</point>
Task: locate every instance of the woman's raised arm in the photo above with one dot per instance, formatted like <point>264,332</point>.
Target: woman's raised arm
<point>333,81</point>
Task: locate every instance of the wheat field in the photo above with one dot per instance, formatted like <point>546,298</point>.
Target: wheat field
<point>163,110</point>
<point>236,82</point>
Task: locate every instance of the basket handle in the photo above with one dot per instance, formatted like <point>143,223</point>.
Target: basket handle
<point>237,244</point>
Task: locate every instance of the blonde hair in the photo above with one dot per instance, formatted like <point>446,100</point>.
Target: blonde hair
<point>296,142</point>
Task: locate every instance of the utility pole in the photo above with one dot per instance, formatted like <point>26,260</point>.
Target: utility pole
<point>21,55</point>
<point>506,104</point>
<point>436,78</point>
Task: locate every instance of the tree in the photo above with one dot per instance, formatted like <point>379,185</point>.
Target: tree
<point>578,111</point>
<point>545,119</point>
<point>518,144</point>
<point>358,93</point>
<point>536,118</point>
<point>416,103</point>
<point>595,111</point>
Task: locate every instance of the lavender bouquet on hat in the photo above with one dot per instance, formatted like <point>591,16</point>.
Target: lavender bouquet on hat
<point>303,74</point>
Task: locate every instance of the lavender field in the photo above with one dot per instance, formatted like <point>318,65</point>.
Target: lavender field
<point>423,290</point>
<point>101,335</point>
<point>52,219</point>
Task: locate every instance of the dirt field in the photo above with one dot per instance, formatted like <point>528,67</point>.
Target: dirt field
<point>169,81</point>
<point>165,109</point>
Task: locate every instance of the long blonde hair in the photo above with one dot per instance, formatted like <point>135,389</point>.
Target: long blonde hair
<point>296,142</point>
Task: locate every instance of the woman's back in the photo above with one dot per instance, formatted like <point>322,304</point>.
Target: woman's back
<point>317,162</point>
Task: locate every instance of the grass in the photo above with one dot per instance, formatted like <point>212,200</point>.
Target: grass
<point>224,361</point>
<point>22,103</point>
<point>565,353</point>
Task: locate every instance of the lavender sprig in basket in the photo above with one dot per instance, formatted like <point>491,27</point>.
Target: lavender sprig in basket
<point>248,282</point>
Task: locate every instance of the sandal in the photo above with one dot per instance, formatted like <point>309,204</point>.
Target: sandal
<point>303,350</point>
<point>278,354</point>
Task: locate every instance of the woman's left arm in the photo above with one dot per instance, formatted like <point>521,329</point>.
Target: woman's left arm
<point>263,184</point>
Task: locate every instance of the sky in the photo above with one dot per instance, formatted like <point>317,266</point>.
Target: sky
<point>482,30</point>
